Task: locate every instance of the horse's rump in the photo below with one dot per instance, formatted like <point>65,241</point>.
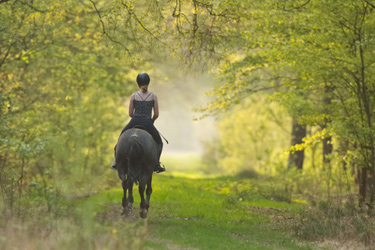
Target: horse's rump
<point>136,153</point>
<point>135,148</point>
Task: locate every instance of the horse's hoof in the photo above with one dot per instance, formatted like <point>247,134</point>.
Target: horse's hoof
<point>143,213</point>
<point>127,211</point>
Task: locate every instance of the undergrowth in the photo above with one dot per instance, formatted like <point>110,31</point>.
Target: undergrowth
<point>245,211</point>
<point>336,221</point>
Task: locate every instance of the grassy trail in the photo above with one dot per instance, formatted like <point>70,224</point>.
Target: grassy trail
<point>204,213</point>
<point>188,211</point>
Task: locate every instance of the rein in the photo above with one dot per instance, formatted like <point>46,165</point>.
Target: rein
<point>163,138</point>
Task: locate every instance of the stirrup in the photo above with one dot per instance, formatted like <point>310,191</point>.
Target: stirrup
<point>160,168</point>
<point>113,165</point>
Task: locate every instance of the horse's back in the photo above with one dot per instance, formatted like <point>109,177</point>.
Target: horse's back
<point>144,139</point>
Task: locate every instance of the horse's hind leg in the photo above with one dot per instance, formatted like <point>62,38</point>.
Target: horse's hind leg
<point>127,203</point>
<point>148,191</point>
<point>124,187</point>
<point>144,205</point>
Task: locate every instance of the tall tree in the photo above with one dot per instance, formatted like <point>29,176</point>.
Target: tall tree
<point>62,83</point>
<point>298,133</point>
<point>307,46</point>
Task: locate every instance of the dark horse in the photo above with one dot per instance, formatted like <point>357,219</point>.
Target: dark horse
<point>136,157</point>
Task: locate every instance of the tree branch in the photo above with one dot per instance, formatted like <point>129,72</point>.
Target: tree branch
<point>295,8</point>
<point>32,7</point>
<point>104,30</point>
<point>131,13</point>
<point>6,54</point>
<point>264,88</point>
<point>368,2</point>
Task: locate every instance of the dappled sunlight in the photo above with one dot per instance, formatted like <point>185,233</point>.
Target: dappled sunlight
<point>265,110</point>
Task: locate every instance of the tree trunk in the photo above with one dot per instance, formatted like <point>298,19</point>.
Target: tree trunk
<point>327,150</point>
<point>327,145</point>
<point>342,149</point>
<point>298,133</point>
<point>362,178</point>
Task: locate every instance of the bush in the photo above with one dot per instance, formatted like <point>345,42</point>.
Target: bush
<point>336,221</point>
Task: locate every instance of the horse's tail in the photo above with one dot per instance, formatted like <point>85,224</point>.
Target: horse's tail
<point>135,154</point>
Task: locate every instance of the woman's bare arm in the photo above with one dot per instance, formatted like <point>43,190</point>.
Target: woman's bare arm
<point>131,106</point>
<point>156,109</point>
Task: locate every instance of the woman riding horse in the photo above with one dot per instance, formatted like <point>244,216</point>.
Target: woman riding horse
<point>141,105</point>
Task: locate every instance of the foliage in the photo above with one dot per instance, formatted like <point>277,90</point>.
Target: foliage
<point>65,65</point>
<point>316,58</point>
<point>61,85</point>
<point>253,136</point>
<point>195,32</point>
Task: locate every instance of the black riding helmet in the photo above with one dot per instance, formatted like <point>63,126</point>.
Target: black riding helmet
<point>143,79</point>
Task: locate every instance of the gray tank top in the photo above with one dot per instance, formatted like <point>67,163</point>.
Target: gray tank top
<point>143,109</point>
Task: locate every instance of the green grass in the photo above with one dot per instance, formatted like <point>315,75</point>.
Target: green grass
<point>188,211</point>
<point>203,214</point>
<point>192,211</point>
<point>200,213</point>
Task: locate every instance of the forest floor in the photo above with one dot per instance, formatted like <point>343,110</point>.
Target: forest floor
<point>188,211</point>
<point>201,213</point>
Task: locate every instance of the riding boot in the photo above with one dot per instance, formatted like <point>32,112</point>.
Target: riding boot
<point>159,168</point>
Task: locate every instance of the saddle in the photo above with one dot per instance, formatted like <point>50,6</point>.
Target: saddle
<point>141,127</point>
